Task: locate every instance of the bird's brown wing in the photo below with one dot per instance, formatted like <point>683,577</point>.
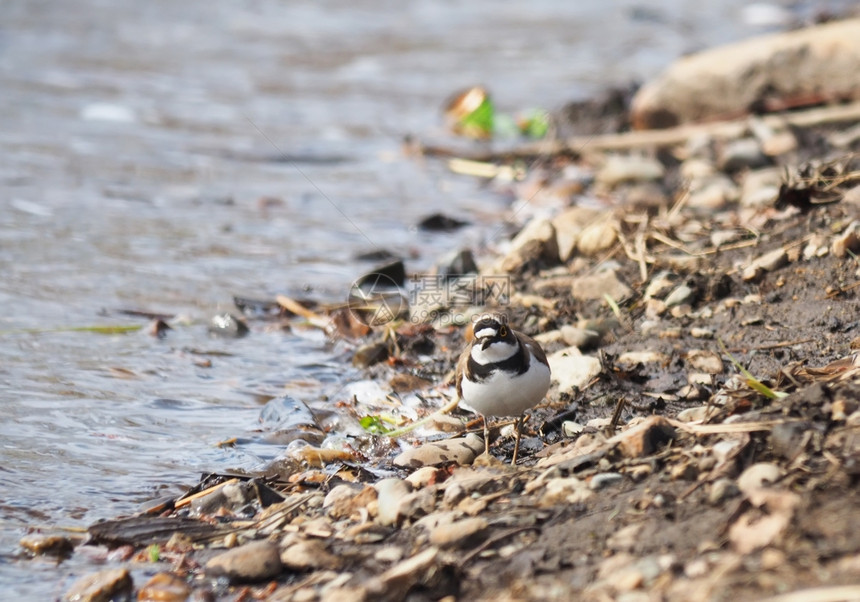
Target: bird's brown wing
<point>533,346</point>
<point>462,367</point>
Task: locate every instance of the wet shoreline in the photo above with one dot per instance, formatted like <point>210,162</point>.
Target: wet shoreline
<point>116,200</point>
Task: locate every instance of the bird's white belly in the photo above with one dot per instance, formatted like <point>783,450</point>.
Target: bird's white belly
<point>506,395</point>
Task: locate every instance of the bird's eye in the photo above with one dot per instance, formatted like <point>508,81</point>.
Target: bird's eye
<point>503,332</point>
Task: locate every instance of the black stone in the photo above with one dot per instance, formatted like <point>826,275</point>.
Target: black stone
<point>439,222</point>
<point>228,326</point>
<point>391,275</point>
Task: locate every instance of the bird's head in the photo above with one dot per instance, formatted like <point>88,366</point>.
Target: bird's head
<point>492,329</point>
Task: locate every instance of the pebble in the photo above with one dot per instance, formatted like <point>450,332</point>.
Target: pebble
<point>684,471</point>
<point>696,568</point>
<point>705,361</point>
<point>702,333</point>
<point>287,419</point>
<point>389,554</point>
<point>416,504</point>
<point>389,276</point>
<point>424,476</point>
<point>445,423</point>
<point>645,438</point>
<point>712,192</point>
<point>725,449</point>
<point>848,240</point>
<point>228,326</point>
<point>761,187</point>
<point>720,238</point>
<point>845,138</point>
<point>102,586</point>
<point>309,555</point>
<point>339,496</point>
<point>768,262</point>
<point>536,241</point>
<point>437,519</point>
<point>596,286</point>
<point>660,284</point>
<point>816,247</point>
<point>652,326</point>
<point>628,168</point>
<point>54,545</point>
<point>565,490</point>
<point>682,262</point>
<point>578,337</point>
<point>571,369</point>
<point>253,561</point>
<point>640,472</point>
<point>696,414</point>
<point>696,168</point>
<point>232,496</point>
<point>164,587</point>
<point>457,263</point>
<point>841,408</point>
<point>632,358</point>
<point>743,153</point>
<point>604,479</point>
<point>458,532</point>
<point>597,238</point>
<point>550,337</point>
<point>439,222</point>
<point>461,450</point>
<point>569,224</point>
<point>394,583</point>
<point>569,428</point>
<point>391,492</point>
<point>650,196</point>
<point>680,295</point>
<point>779,143</point>
<point>722,490</point>
<point>758,476</point>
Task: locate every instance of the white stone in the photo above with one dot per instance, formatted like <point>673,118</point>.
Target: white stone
<point>571,369</point>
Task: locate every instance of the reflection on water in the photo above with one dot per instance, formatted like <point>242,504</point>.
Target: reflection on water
<point>144,168</point>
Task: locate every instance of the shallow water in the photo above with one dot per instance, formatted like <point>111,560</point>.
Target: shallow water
<point>139,142</point>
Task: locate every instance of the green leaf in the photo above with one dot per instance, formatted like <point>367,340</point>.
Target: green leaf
<point>97,329</point>
<point>752,381</point>
<point>479,123</point>
<point>375,424</point>
<point>154,552</point>
<point>613,305</point>
<point>535,124</point>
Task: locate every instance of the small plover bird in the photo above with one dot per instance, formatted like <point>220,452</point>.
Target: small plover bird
<point>502,372</point>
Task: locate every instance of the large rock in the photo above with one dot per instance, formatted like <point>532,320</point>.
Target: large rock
<point>569,226</point>
<point>253,561</point>
<point>570,369</point>
<point>102,586</point>
<point>536,242</point>
<point>772,72</point>
<point>460,450</point>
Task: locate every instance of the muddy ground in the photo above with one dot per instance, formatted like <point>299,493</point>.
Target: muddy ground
<point>712,455</point>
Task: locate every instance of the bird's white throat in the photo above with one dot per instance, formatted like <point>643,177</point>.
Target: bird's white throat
<point>495,352</point>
